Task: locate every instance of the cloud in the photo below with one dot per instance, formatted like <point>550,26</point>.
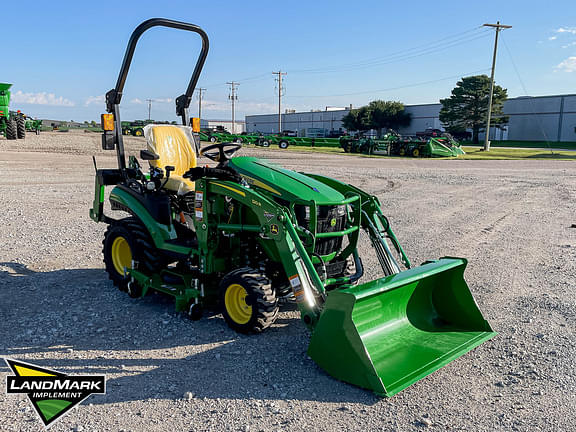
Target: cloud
<point>41,98</point>
<point>163,100</point>
<point>568,65</point>
<point>570,30</point>
<point>569,45</point>
<point>137,101</point>
<point>553,38</point>
<point>95,100</point>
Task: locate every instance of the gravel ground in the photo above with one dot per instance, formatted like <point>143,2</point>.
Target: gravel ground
<point>511,219</point>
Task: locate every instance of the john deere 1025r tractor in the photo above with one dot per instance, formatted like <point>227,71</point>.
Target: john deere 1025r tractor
<point>245,234</point>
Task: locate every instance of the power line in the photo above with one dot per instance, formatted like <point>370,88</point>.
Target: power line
<point>392,88</point>
<point>233,97</point>
<point>417,51</point>
<point>531,101</point>
<point>280,90</point>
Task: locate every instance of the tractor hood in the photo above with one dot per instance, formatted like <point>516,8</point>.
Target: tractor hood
<point>275,181</point>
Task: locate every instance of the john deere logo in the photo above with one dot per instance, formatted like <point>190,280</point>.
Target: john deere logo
<point>51,393</point>
<point>274,229</point>
<point>333,223</point>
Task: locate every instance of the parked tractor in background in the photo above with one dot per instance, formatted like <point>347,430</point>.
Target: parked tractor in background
<point>33,125</point>
<point>12,124</point>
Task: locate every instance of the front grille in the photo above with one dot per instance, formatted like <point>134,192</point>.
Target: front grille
<point>328,221</point>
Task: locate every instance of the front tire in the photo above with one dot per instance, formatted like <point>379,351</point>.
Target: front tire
<point>249,304</point>
<point>283,144</point>
<point>20,127</point>
<point>265,143</point>
<point>11,130</point>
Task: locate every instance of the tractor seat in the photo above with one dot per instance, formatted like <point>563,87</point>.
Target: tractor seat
<point>175,146</point>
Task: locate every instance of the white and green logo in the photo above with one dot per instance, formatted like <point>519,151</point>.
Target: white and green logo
<point>51,393</point>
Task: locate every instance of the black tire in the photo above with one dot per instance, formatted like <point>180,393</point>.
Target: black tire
<point>37,131</point>
<point>283,144</point>
<point>20,127</point>
<point>11,130</point>
<point>212,139</point>
<point>257,295</point>
<point>141,249</point>
<point>138,132</point>
<point>265,143</point>
<point>416,152</point>
<point>237,140</point>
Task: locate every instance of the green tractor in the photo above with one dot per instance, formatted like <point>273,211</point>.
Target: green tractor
<point>33,125</point>
<point>12,124</point>
<point>247,236</point>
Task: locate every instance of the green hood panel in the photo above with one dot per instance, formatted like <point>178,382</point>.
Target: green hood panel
<point>275,181</point>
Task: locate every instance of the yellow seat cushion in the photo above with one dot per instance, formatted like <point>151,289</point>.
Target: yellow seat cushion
<point>175,149</point>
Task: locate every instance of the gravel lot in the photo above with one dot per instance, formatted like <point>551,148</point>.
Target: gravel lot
<point>511,219</point>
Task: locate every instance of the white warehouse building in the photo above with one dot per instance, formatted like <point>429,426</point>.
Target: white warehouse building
<point>538,118</point>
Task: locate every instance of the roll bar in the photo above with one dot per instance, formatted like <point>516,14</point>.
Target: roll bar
<point>114,96</point>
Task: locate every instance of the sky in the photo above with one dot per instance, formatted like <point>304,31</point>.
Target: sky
<point>63,56</point>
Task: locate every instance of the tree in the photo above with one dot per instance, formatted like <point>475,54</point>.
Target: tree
<point>357,119</point>
<point>388,114</point>
<point>467,108</point>
<point>377,115</point>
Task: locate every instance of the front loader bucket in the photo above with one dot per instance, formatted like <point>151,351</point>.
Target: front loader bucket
<point>387,334</point>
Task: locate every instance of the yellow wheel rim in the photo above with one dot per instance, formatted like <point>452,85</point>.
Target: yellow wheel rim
<point>416,153</point>
<point>402,152</point>
<point>138,133</point>
<point>236,306</point>
<point>121,254</point>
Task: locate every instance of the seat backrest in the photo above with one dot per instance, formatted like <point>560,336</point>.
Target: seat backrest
<point>173,146</point>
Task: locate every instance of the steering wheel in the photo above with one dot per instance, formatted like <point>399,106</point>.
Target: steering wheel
<point>220,152</point>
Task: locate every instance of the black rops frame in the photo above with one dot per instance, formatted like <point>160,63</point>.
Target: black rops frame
<point>114,96</point>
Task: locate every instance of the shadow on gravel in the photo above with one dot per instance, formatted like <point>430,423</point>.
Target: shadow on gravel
<point>75,321</point>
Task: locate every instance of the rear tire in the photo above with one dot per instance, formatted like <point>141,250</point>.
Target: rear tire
<point>139,132</point>
<point>416,153</point>
<point>20,127</point>
<point>11,130</point>
<point>249,304</point>
<point>283,144</point>
<point>212,139</point>
<point>265,143</point>
<point>126,242</point>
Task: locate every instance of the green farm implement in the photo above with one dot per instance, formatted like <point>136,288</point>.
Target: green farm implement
<point>12,124</point>
<point>393,144</point>
<point>33,125</point>
<point>247,235</point>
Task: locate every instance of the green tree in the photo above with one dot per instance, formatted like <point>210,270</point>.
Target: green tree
<point>388,114</point>
<point>467,108</point>
<point>377,115</point>
<point>357,120</point>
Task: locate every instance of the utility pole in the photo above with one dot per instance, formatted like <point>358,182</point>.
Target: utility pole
<point>149,106</point>
<point>280,89</point>
<point>200,90</point>
<point>233,97</point>
<point>498,27</point>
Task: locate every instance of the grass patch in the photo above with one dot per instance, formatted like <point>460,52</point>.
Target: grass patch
<point>476,153</point>
<point>472,153</point>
